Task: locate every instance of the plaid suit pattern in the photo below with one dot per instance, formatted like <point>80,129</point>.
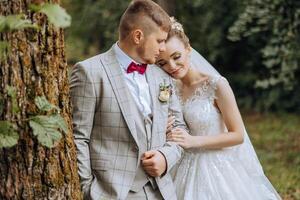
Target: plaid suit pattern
<point>104,128</point>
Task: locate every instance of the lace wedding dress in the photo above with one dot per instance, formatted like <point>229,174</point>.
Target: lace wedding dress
<point>227,174</point>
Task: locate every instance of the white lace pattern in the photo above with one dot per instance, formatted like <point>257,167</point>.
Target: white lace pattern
<point>228,174</point>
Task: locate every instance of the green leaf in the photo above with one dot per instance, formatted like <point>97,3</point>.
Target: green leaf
<point>11,91</point>
<point>8,135</point>
<point>15,22</point>
<point>43,104</point>
<point>56,14</point>
<point>46,128</point>
<point>45,135</point>
<point>60,122</point>
<point>4,47</point>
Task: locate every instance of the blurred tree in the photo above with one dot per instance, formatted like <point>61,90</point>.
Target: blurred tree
<point>34,65</point>
<point>167,5</point>
<point>278,22</point>
<point>94,27</point>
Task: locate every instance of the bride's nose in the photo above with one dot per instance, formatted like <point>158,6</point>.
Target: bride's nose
<point>172,65</point>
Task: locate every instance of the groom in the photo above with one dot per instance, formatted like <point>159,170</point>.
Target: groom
<point>120,111</point>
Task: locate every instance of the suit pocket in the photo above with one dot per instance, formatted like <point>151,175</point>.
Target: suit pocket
<point>100,164</point>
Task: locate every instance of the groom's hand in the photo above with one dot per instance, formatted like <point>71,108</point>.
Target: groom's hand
<point>154,163</point>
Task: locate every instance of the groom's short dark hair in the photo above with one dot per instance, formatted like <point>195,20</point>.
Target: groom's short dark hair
<point>143,14</point>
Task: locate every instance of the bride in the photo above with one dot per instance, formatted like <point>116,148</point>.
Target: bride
<point>219,162</point>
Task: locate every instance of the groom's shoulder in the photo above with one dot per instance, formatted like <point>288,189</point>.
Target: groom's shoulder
<point>91,60</point>
<point>95,60</point>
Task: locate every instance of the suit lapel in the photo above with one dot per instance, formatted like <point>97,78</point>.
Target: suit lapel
<point>154,90</point>
<point>160,110</point>
<point>116,78</point>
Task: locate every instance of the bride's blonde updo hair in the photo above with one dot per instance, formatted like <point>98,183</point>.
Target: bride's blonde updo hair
<point>177,31</point>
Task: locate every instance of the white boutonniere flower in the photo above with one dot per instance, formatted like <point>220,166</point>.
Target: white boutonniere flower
<point>165,91</point>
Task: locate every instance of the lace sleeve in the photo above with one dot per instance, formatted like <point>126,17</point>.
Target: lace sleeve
<point>213,83</point>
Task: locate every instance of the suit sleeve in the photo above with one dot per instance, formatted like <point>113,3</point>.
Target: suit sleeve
<point>171,150</point>
<point>83,100</point>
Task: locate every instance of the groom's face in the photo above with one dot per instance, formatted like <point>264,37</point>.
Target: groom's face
<point>153,44</point>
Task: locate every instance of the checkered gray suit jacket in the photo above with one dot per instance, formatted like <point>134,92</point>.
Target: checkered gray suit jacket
<point>105,128</point>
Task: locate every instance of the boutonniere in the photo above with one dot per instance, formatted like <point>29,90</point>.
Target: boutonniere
<point>165,91</point>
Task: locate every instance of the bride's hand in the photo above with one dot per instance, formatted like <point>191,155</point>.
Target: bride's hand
<point>171,121</point>
<point>181,137</point>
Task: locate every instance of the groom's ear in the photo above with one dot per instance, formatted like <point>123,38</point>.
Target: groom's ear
<point>137,36</point>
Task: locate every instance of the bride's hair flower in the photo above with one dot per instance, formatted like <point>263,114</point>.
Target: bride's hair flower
<point>175,25</point>
<point>178,31</point>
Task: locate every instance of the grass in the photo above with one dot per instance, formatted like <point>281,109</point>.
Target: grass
<point>276,139</point>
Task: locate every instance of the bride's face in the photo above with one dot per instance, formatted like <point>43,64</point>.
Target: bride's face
<point>175,60</point>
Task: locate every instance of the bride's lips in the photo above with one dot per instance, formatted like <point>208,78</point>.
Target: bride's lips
<point>175,71</point>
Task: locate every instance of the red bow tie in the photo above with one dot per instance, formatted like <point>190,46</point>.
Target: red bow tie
<point>140,68</point>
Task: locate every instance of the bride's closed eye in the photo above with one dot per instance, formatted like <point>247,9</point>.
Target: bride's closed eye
<point>161,63</point>
<point>176,56</point>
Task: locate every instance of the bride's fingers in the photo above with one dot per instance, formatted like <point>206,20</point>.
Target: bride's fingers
<point>170,124</point>
<point>172,134</point>
<point>176,138</point>
<point>169,129</point>
<point>178,131</point>
<point>176,135</point>
<point>171,120</point>
<point>169,134</point>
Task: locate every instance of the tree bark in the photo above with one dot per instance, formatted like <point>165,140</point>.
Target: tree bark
<point>36,66</point>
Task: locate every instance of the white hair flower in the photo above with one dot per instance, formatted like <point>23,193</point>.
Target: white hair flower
<point>176,25</point>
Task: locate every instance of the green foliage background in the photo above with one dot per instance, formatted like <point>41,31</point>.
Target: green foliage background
<point>253,43</point>
<point>276,141</point>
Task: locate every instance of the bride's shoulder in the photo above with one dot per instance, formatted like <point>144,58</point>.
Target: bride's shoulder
<point>217,80</point>
<point>221,87</point>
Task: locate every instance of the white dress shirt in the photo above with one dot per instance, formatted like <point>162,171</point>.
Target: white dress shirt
<point>137,83</point>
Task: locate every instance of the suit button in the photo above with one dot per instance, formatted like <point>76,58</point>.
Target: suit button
<point>135,148</point>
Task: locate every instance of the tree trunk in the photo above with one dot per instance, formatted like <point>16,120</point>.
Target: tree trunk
<point>36,66</point>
